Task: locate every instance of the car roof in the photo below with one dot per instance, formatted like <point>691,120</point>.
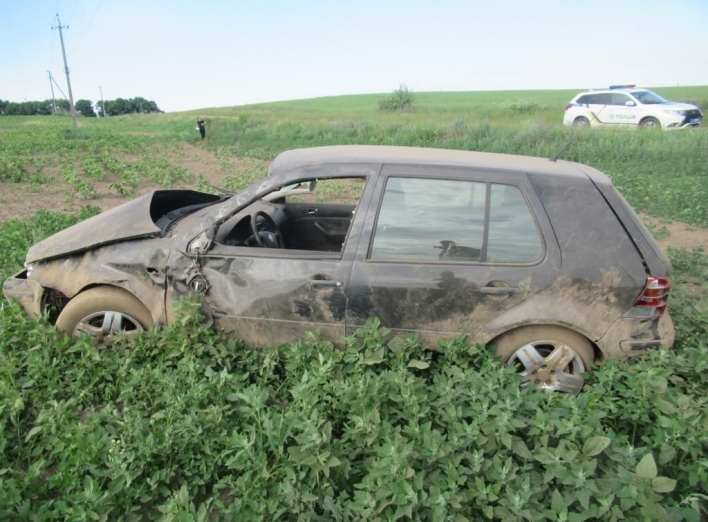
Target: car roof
<point>381,154</point>
<point>623,89</point>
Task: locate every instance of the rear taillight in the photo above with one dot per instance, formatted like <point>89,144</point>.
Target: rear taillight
<point>568,106</point>
<point>652,301</point>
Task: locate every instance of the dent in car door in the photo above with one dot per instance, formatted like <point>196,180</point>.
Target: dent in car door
<point>268,300</point>
<point>467,279</point>
<point>268,296</point>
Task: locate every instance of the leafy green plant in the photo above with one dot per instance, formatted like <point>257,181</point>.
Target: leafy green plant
<point>81,188</point>
<point>377,430</point>
<point>122,188</point>
<point>160,171</point>
<point>92,168</point>
<point>17,235</point>
<point>112,164</point>
<point>399,100</point>
<point>202,185</point>
<point>11,168</point>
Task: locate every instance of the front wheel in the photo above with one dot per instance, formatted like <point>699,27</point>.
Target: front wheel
<point>103,312</point>
<point>547,357</point>
<point>650,123</point>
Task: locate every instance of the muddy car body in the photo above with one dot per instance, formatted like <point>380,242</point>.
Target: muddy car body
<point>542,259</point>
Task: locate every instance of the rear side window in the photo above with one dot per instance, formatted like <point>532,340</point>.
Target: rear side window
<point>455,221</point>
<point>585,99</point>
<point>601,99</point>
<point>513,236</point>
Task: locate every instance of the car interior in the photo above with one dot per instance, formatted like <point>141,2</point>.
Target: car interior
<point>313,215</point>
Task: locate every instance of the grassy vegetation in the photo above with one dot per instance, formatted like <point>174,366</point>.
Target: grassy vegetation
<point>182,424</point>
<point>441,103</point>
<point>660,173</point>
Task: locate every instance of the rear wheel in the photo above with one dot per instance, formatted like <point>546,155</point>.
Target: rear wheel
<point>103,312</point>
<point>650,123</point>
<point>547,357</point>
<point>581,121</point>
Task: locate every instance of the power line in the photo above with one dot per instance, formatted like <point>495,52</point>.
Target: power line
<point>89,25</point>
<point>71,16</point>
<point>51,56</point>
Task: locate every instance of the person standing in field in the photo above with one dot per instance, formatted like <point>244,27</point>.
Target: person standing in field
<point>200,124</point>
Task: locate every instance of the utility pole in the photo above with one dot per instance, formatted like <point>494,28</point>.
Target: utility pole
<point>104,112</point>
<point>66,70</point>
<point>54,100</point>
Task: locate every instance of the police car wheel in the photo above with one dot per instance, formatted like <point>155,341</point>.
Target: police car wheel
<point>650,123</point>
<point>581,121</point>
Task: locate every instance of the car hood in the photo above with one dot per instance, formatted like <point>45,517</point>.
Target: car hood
<point>676,106</point>
<point>130,220</point>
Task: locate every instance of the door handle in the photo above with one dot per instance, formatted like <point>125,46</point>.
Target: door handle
<point>499,290</point>
<point>310,211</point>
<point>322,229</point>
<point>324,282</point>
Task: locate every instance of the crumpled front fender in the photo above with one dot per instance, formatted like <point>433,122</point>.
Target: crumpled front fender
<point>27,292</point>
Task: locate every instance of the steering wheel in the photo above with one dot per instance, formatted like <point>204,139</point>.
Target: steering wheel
<point>266,238</point>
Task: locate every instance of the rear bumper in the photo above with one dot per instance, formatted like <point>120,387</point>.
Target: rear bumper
<point>27,292</point>
<point>628,338</point>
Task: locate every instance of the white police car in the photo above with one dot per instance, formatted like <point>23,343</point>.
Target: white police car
<point>627,106</point>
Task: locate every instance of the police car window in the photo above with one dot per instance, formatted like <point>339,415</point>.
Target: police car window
<point>584,99</point>
<point>648,97</point>
<point>601,99</point>
<point>513,235</point>
<point>619,98</point>
<point>430,220</point>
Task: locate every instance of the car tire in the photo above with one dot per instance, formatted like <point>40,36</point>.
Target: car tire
<point>650,123</point>
<point>550,358</point>
<point>102,312</point>
<point>581,121</point>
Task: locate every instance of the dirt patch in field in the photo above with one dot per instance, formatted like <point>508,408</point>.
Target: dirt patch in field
<point>21,200</point>
<point>677,234</point>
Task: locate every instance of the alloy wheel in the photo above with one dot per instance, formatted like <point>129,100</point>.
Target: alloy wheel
<point>101,325</point>
<point>549,365</point>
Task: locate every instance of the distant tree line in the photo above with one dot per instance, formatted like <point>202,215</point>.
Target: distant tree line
<point>84,107</point>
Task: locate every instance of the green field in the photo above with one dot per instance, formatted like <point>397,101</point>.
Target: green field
<point>182,424</point>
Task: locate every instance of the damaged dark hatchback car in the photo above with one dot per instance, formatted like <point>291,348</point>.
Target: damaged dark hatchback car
<point>543,260</point>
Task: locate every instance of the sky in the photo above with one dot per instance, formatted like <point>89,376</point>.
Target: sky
<point>214,53</point>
